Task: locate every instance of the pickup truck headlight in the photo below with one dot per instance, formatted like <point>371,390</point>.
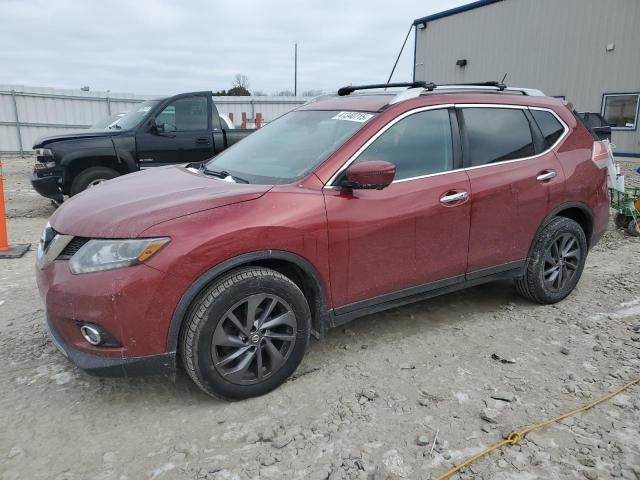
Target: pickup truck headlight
<point>43,152</point>
<point>44,158</point>
<point>100,255</point>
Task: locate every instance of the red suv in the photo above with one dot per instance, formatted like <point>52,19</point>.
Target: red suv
<point>348,205</point>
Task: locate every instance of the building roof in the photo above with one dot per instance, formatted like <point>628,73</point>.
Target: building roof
<point>453,11</point>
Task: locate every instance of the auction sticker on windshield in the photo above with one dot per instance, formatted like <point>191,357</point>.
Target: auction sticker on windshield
<point>359,117</point>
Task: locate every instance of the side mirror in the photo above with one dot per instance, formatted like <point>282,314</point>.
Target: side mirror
<point>370,174</point>
<point>603,133</point>
<point>156,128</point>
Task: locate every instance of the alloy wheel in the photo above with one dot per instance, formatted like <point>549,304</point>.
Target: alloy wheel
<point>254,339</point>
<point>561,261</point>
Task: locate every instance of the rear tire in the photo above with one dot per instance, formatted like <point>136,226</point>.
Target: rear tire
<point>556,262</point>
<point>90,177</point>
<point>245,334</point>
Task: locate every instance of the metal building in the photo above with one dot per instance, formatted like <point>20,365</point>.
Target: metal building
<point>587,51</point>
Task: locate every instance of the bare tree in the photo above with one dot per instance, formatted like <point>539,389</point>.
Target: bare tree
<point>240,80</point>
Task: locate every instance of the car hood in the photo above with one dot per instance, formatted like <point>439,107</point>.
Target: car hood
<point>42,141</point>
<point>127,206</point>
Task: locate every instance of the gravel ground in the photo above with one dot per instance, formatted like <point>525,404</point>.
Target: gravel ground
<point>366,403</point>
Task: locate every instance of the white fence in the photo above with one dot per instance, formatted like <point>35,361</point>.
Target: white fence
<point>27,113</point>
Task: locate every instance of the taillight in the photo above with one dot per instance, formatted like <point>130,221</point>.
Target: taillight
<point>600,154</point>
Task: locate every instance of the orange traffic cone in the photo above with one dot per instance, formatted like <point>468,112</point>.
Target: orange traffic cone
<point>6,251</point>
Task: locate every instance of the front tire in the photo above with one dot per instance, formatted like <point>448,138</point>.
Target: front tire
<point>556,262</point>
<point>245,334</point>
<point>91,177</point>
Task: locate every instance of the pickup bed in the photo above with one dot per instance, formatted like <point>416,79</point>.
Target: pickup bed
<point>179,129</point>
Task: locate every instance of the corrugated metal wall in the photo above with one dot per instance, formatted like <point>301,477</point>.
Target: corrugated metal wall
<point>558,46</point>
<point>27,113</point>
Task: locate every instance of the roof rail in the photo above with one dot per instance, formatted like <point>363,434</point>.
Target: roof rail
<point>500,87</point>
<point>352,88</point>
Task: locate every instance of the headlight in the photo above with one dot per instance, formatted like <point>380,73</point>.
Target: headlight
<point>43,152</point>
<point>99,255</point>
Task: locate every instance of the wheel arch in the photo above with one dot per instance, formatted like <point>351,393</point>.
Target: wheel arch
<point>78,164</point>
<point>297,268</point>
<point>577,211</point>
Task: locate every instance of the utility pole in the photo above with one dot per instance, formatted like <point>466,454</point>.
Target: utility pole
<point>295,70</point>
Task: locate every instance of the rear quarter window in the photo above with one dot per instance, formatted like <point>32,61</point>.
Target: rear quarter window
<point>549,125</point>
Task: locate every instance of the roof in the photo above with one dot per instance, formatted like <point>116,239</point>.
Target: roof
<point>453,11</point>
<point>372,102</point>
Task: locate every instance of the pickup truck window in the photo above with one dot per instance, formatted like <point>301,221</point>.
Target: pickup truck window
<point>290,147</point>
<point>184,114</point>
<point>135,116</point>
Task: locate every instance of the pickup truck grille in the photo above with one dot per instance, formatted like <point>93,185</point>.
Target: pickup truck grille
<point>72,247</point>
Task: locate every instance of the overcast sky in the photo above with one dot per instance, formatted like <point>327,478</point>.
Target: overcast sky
<point>146,46</point>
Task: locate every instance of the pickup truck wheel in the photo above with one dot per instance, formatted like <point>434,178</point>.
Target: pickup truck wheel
<point>245,334</point>
<point>557,259</point>
<point>91,177</point>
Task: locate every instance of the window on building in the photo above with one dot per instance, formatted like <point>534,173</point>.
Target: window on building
<point>549,125</point>
<point>621,110</point>
<point>497,134</point>
<point>417,145</point>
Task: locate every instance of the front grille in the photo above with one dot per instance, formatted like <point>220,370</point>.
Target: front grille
<point>72,247</point>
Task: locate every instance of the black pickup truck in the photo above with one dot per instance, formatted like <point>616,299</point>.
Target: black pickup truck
<point>179,129</point>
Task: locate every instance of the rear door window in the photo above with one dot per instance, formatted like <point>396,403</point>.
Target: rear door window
<point>549,125</point>
<point>496,135</point>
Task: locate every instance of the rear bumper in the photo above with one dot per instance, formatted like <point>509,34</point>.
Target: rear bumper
<point>46,186</point>
<point>163,364</point>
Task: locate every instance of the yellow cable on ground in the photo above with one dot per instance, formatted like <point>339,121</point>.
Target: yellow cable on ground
<point>514,437</point>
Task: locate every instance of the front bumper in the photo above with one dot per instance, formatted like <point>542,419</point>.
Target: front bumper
<point>132,304</point>
<point>47,186</point>
<point>162,364</point>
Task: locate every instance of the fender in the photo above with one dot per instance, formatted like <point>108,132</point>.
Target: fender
<point>97,146</point>
<point>247,258</point>
<point>93,147</point>
<point>554,213</point>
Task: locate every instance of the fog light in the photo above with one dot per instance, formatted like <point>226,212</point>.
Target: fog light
<point>91,334</point>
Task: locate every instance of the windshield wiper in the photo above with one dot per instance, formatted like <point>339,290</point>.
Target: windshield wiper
<point>115,125</point>
<point>222,174</point>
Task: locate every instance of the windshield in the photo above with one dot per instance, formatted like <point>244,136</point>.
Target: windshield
<point>290,147</point>
<point>135,116</point>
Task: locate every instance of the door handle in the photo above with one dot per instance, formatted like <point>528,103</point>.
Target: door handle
<point>546,175</point>
<point>203,140</point>
<point>454,197</point>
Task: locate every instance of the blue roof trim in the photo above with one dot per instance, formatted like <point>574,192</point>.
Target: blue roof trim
<point>453,11</point>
